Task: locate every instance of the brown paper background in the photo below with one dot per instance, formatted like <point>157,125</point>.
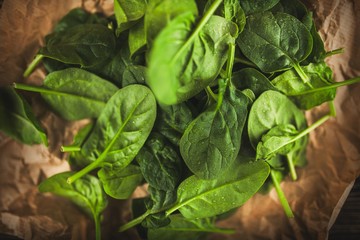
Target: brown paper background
<point>333,152</point>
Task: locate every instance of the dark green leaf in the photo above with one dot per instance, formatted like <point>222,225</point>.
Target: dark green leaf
<point>134,74</point>
<point>85,44</point>
<point>17,119</point>
<point>122,183</point>
<point>257,6</point>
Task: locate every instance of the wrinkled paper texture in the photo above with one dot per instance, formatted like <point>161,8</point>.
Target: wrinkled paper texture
<point>333,151</point>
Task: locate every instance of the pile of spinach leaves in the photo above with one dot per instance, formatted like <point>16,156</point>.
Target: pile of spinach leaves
<point>202,100</point>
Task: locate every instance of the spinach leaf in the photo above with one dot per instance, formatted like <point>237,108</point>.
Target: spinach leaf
<point>159,163</point>
<point>212,141</point>
<point>182,228</point>
<point>87,193</point>
<point>17,119</point>
<point>320,75</point>
<point>257,6</point>
<point>134,74</point>
<point>179,58</point>
<point>128,11</point>
<point>74,93</point>
<point>199,198</point>
<point>85,45</point>
<point>276,42</point>
<point>121,129</point>
<point>295,8</point>
<point>272,108</point>
<point>160,12</point>
<point>276,141</point>
<point>120,184</point>
<point>250,78</point>
<point>137,38</point>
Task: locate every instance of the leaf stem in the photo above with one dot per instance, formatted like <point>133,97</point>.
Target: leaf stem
<point>333,85</point>
<point>84,171</point>
<point>304,77</point>
<point>198,28</point>
<point>291,167</point>
<point>97,228</point>
<point>332,109</point>
<point>33,65</point>
<point>230,61</point>
<point>281,195</point>
<point>134,222</point>
<point>70,148</point>
<point>334,52</point>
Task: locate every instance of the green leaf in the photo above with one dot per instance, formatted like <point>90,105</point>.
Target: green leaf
<point>250,78</point>
<point>76,94</point>
<point>159,163</point>
<point>160,12</point>
<point>320,75</point>
<point>87,193</point>
<point>275,42</point>
<point>120,184</point>
<point>17,119</point>
<point>257,6</point>
<point>121,129</point>
<point>181,52</point>
<point>270,109</point>
<point>85,44</point>
<point>198,198</point>
<point>134,74</point>
<point>137,38</point>
<point>212,141</point>
<point>181,228</point>
<point>127,11</point>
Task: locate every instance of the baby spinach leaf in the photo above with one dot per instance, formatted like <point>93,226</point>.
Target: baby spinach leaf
<point>137,38</point>
<point>121,129</point>
<point>295,8</point>
<point>320,75</point>
<point>181,228</point>
<point>159,163</point>
<point>127,11</point>
<point>134,74</point>
<point>155,221</point>
<point>181,52</point>
<point>272,108</point>
<point>276,141</point>
<point>85,44</point>
<point>212,141</point>
<point>199,198</point>
<point>160,200</point>
<point>276,42</point>
<point>250,78</point>
<point>74,93</point>
<point>120,184</point>
<point>17,119</point>
<point>234,12</point>
<point>87,193</point>
<point>257,6</point>
<point>160,12</point>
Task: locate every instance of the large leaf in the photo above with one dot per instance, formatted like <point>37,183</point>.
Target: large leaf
<point>87,192</point>
<point>84,44</point>
<point>212,141</point>
<point>182,51</point>
<point>77,94</point>
<point>269,110</point>
<point>198,198</point>
<point>122,127</point>
<point>275,42</point>
<point>127,11</point>
<point>17,119</point>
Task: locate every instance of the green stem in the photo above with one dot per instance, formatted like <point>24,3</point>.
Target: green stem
<point>328,87</point>
<point>211,93</point>
<point>332,109</point>
<point>70,148</point>
<point>334,52</point>
<point>304,77</point>
<point>97,228</point>
<point>230,61</point>
<point>84,171</point>
<point>134,222</point>
<point>197,30</point>
<point>291,167</point>
<point>33,65</point>
<point>281,195</point>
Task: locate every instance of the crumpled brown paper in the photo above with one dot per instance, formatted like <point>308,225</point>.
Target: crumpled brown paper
<point>333,152</point>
